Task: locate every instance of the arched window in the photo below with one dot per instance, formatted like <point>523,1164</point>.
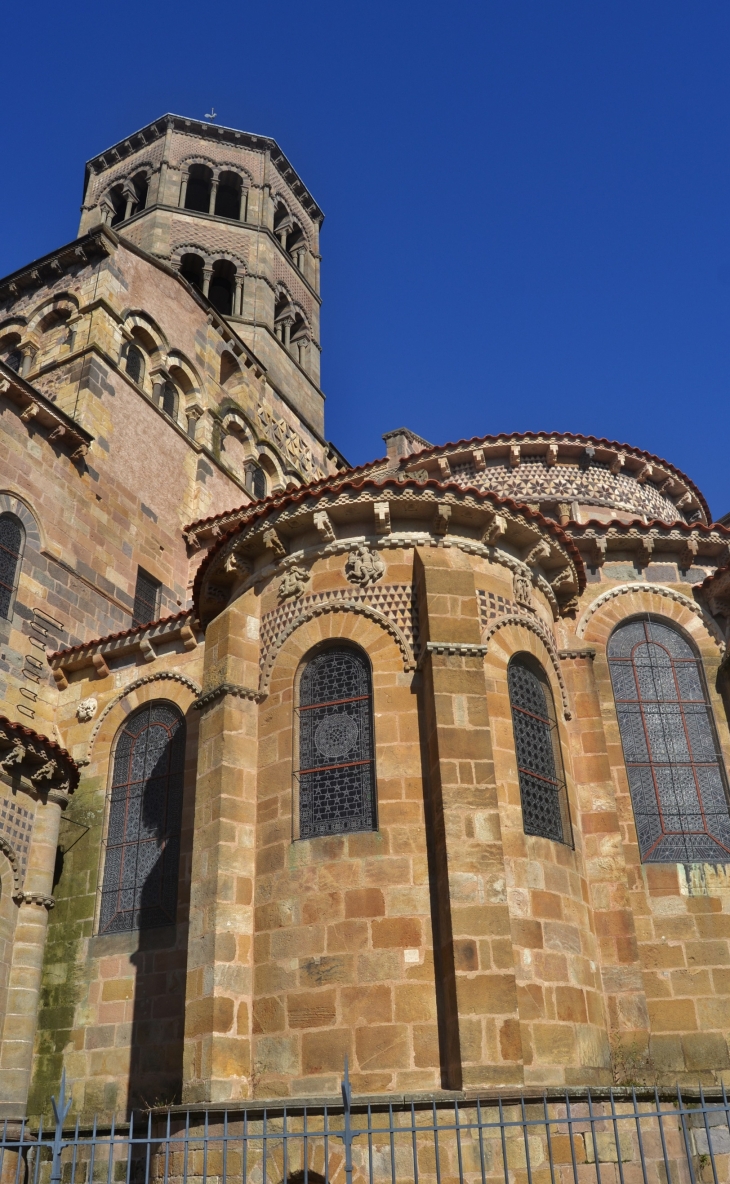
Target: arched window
<point>169,399</point>
<point>197,194</point>
<point>145,810</point>
<point>11,548</point>
<point>336,746</point>
<point>135,364</point>
<point>191,269</point>
<point>537,747</point>
<point>222,283</point>
<point>673,760</point>
<point>14,360</point>
<point>256,480</point>
<point>118,201</point>
<point>228,196</point>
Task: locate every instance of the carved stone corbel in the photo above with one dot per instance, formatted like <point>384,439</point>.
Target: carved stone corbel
<point>147,649</point>
<point>98,661</point>
<point>645,474</point>
<point>540,550</point>
<point>618,463</point>
<point>323,526</point>
<point>478,458</point>
<point>496,530</point>
<point>645,549</point>
<point>514,455</point>
<point>273,543</point>
<point>441,519</point>
<point>444,468</point>
<point>381,511</point>
<point>688,553</point>
<point>596,551</point>
<point>30,412</point>
<point>551,456</point>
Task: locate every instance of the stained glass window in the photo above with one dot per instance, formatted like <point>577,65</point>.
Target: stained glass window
<point>537,747</point>
<point>146,598</point>
<point>675,768</point>
<point>143,837</point>
<point>11,545</point>
<point>336,752</point>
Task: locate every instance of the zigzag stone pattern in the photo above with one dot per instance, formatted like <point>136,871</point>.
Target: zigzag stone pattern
<point>395,601</point>
<point>597,485</point>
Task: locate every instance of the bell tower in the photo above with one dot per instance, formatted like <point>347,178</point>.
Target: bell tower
<point>227,210</point>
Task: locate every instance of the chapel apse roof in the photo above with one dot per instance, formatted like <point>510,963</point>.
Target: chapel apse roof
<point>283,514</point>
<point>565,466</point>
<point>212,132</point>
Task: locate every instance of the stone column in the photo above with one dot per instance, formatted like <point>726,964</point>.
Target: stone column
<point>238,297</point>
<point>183,192</point>
<point>213,193</point>
<point>207,273</point>
<point>478,1013</point>
<point>220,946</point>
<point>24,982</point>
<point>244,201</point>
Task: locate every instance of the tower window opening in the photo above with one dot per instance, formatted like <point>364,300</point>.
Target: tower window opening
<point>222,284</point>
<point>119,202</point>
<point>191,269</point>
<point>169,399</point>
<point>141,185</point>
<point>228,196</point>
<point>135,364</point>
<point>256,481</point>
<point>537,747</point>
<point>146,598</point>
<point>197,195</point>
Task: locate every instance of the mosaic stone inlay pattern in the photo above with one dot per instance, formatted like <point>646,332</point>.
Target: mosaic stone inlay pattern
<point>16,824</point>
<point>491,606</point>
<point>395,601</point>
<point>533,479</point>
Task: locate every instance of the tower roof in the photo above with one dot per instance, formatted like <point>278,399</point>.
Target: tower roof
<point>209,131</point>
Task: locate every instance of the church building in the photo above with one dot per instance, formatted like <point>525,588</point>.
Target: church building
<point>422,764</point>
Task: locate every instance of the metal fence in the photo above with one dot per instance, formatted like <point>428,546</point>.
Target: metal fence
<point>603,1137</point>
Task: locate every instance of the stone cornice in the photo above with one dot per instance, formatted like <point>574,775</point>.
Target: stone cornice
<point>97,243</point>
<point>227,688</point>
<point>37,410</point>
<point>32,758</point>
<point>142,639</point>
<point>213,133</point>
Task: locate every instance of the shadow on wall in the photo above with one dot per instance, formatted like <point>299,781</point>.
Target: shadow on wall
<point>147,861</point>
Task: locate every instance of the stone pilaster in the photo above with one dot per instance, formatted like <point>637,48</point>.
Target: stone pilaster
<point>24,981</point>
<point>219,977</point>
<point>478,1018</point>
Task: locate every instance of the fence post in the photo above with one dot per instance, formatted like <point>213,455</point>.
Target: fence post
<point>347,1133</point>
<point>60,1110</point>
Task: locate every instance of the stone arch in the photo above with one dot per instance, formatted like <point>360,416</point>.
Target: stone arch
<point>320,610</point>
<point>535,626</point>
<point>189,691</point>
<point>13,503</point>
<point>142,321</point>
<point>295,215</point>
<point>654,598</point>
<point>62,306</point>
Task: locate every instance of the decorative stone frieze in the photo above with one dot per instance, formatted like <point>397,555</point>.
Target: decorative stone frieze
<point>34,761</point>
<point>293,582</point>
<point>363,565</point>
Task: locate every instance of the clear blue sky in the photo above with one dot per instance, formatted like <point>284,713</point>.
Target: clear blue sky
<point>527,204</point>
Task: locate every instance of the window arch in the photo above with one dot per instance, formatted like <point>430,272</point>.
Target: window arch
<point>228,196</point>
<point>145,812</point>
<point>537,746</point>
<point>134,365</point>
<point>222,286</point>
<point>191,269</point>
<point>336,776</point>
<point>255,480</point>
<point>199,187</point>
<point>673,760</point>
<point>12,537</point>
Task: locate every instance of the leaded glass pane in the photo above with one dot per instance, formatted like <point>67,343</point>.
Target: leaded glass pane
<point>336,749</point>
<point>146,598</point>
<point>675,769</point>
<point>145,813</point>
<point>542,789</point>
<point>11,541</point>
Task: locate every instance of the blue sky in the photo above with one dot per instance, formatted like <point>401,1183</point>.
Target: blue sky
<point>527,204</point>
